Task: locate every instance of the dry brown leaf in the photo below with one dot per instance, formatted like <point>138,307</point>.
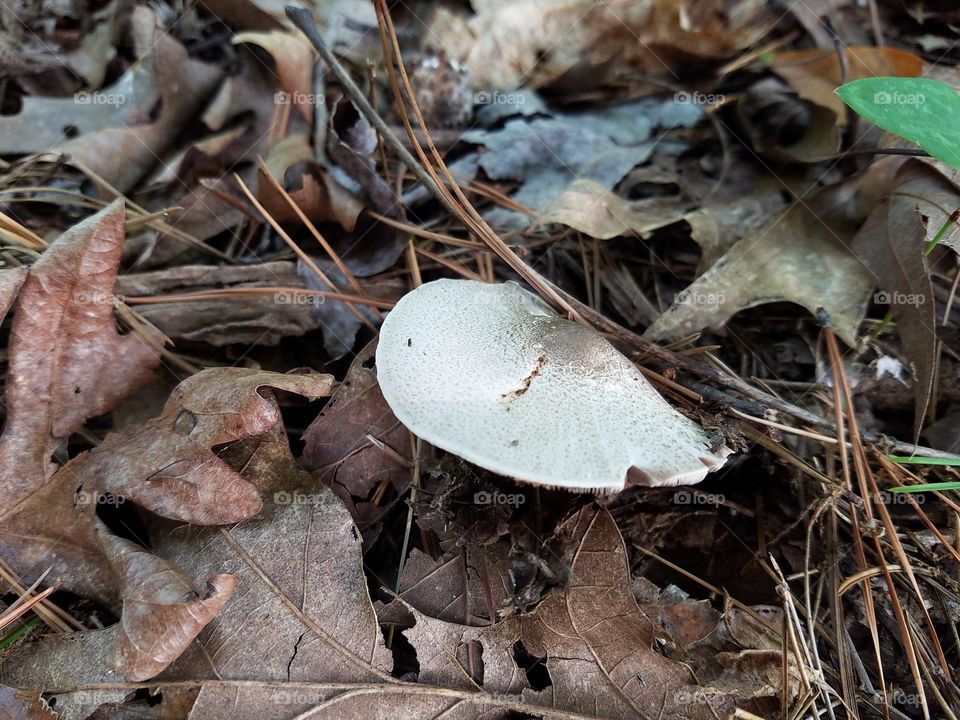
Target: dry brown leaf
<point>294,61</point>
<point>593,640</point>
<point>63,336</point>
<point>801,257</point>
<point>891,245</point>
<point>591,208</point>
<point>167,466</point>
<point>784,127</point>
<point>816,74</point>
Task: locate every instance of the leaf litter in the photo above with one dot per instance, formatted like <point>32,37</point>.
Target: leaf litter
<point>211,508</point>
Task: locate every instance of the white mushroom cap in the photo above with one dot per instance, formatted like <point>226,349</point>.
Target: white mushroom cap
<point>492,374</point>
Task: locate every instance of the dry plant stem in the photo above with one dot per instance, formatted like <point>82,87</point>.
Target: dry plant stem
<point>52,614</point>
<point>162,226</point>
<point>201,295</point>
<point>17,610</point>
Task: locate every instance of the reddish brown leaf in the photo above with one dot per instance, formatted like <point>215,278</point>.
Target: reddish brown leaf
<point>67,361</point>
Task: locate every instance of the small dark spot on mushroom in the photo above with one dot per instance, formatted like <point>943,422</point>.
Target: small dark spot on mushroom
<point>514,443</point>
<point>185,423</point>
<point>409,342</point>
<point>76,391</point>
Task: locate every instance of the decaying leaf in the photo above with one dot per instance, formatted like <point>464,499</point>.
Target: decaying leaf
<point>801,257</point>
<point>892,244</point>
<point>546,155</point>
<point>63,335</point>
<point>593,641</point>
<point>337,445</point>
<point>23,705</point>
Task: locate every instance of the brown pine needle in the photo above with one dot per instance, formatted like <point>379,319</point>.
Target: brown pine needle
<point>306,259</point>
<point>341,266</point>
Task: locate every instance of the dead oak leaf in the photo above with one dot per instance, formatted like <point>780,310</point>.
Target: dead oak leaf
<point>593,640</point>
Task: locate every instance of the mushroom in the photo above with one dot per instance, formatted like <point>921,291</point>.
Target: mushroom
<point>490,373</point>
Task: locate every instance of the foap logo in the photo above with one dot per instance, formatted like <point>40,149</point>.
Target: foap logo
<point>93,297</point>
<point>498,98</point>
<point>296,98</point>
<point>99,98</point>
<point>886,97</point>
<point>498,498</point>
<point>85,497</point>
<point>297,298</point>
<point>698,98</point>
<point>297,498</point>
<point>899,298</point>
<point>891,498</point>
<point>694,297</point>
<point>685,497</point>
<point>690,697</point>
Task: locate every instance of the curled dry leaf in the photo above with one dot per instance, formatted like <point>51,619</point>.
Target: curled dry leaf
<point>303,617</point>
<point>892,244</point>
<point>593,641</point>
<point>168,466</point>
<point>476,369</point>
<point>293,59</point>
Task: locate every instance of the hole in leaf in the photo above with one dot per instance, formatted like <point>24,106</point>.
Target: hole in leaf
<point>535,667</point>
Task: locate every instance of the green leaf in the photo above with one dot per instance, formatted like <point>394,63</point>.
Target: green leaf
<point>918,109</point>
<point>923,460</point>
<point>932,487</point>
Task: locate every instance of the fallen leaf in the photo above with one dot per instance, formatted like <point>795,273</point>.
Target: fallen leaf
<point>801,257</point>
<point>816,74</point>
<point>593,641</point>
<point>63,335</point>
<point>336,444</point>
<point>294,62</point>
<point>16,705</point>
<point>783,127</point>
<point>892,245</point>
<point>546,155</point>
<point>168,466</point>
